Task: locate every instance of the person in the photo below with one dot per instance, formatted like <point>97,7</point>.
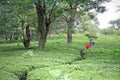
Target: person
<point>87,45</point>
<point>91,42</point>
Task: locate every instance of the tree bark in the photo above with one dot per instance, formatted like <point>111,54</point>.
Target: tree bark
<point>26,40</point>
<point>41,26</point>
<point>10,38</point>
<point>69,30</point>
<point>47,23</point>
<point>6,36</point>
<point>69,35</point>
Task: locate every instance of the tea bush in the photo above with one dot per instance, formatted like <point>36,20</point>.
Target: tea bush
<point>4,75</point>
<point>61,61</point>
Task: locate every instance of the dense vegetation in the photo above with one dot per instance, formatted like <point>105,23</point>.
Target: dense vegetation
<point>35,19</point>
<point>61,61</point>
<point>45,40</point>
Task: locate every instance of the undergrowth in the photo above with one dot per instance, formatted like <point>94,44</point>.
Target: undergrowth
<point>61,61</point>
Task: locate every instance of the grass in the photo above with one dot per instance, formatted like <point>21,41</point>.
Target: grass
<point>61,61</point>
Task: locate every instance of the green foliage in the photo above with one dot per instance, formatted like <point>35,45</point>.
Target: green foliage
<point>86,26</point>
<point>90,35</point>
<point>28,54</point>
<point>4,75</point>
<point>61,61</point>
<point>115,24</point>
<point>110,31</point>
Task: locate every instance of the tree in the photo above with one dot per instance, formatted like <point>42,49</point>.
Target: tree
<point>18,19</point>
<point>68,16</point>
<point>23,9</point>
<point>86,25</point>
<point>115,24</point>
<point>5,20</point>
<point>82,7</point>
<point>47,12</point>
<point>110,31</point>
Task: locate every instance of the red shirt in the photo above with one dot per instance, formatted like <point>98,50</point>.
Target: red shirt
<point>87,45</point>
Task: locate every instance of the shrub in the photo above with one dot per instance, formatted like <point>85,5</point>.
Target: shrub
<point>28,54</point>
<point>89,35</point>
<point>4,75</point>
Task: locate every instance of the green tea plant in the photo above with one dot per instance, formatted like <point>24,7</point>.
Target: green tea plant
<point>28,54</point>
<point>60,61</point>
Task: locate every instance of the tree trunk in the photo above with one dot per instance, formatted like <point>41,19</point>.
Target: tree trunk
<point>26,40</point>
<point>70,24</point>
<point>43,25</point>
<point>69,36</point>
<point>10,38</point>
<point>6,36</point>
<point>41,43</point>
<point>47,23</point>
<point>69,31</point>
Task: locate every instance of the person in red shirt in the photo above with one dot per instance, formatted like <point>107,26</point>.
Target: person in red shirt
<point>87,45</point>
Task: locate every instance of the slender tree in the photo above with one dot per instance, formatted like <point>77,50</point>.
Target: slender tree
<point>82,7</point>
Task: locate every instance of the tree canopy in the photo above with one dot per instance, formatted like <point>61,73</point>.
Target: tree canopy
<point>16,15</point>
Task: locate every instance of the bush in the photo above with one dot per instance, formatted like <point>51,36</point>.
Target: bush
<point>28,54</point>
<point>4,75</point>
<point>91,35</point>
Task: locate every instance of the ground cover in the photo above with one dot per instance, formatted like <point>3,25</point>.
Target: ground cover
<point>61,61</point>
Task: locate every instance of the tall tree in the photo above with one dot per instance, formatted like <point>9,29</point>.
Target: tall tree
<point>21,10</point>
<point>47,12</point>
<point>86,25</point>
<point>81,7</point>
<point>5,19</point>
<point>17,18</point>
